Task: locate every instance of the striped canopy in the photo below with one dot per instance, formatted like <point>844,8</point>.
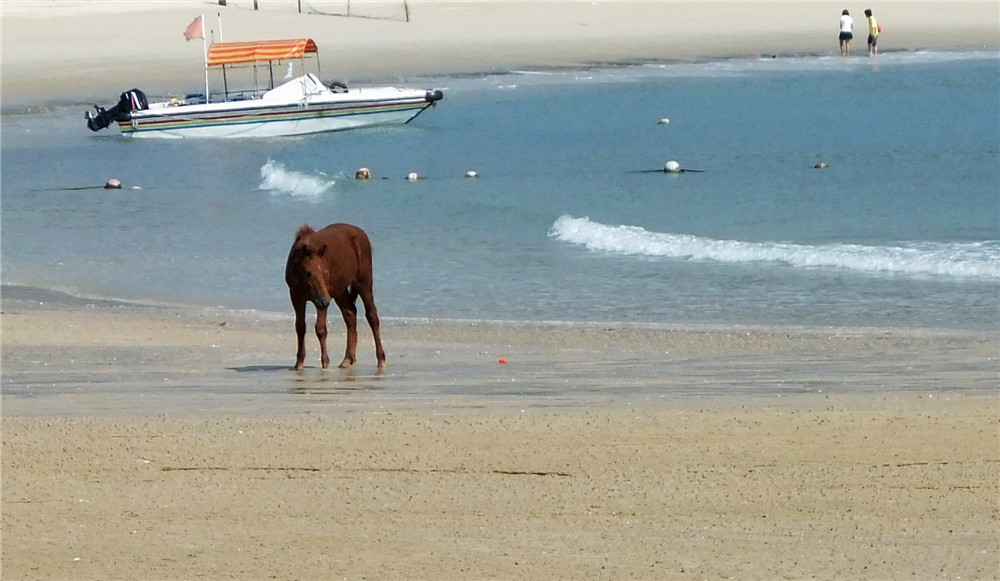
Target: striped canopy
<point>233,53</point>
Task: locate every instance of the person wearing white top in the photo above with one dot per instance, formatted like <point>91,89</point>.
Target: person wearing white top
<point>846,32</point>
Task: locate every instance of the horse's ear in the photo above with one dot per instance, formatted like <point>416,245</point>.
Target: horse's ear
<point>321,251</point>
<point>304,231</point>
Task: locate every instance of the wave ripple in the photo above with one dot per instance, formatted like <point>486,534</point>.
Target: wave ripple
<point>948,259</point>
<point>281,181</point>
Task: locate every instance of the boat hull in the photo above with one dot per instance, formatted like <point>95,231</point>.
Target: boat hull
<point>262,118</point>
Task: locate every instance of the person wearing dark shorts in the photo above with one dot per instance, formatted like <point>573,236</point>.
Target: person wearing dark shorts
<point>873,30</point>
<point>846,32</point>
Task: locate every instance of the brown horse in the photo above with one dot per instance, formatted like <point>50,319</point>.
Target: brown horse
<point>332,264</point>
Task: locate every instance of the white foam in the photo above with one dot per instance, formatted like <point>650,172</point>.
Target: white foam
<point>963,260</point>
<point>281,181</point>
<point>720,68</point>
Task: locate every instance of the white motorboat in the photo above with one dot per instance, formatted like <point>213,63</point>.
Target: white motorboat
<point>301,105</point>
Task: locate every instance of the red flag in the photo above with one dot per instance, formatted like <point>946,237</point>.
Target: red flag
<point>195,30</point>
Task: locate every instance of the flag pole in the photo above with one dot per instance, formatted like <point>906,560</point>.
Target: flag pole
<point>204,47</point>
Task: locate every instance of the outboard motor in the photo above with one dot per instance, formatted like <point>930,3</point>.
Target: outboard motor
<point>132,100</point>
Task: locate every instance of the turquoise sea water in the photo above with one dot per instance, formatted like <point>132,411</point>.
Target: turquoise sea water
<point>570,219</point>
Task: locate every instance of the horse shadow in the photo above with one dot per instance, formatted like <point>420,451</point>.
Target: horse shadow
<point>259,368</point>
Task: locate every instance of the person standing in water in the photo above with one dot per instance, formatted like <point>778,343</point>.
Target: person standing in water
<point>873,30</point>
<point>846,32</point>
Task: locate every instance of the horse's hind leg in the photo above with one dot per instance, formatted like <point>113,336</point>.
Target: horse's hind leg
<point>349,310</point>
<point>371,313</point>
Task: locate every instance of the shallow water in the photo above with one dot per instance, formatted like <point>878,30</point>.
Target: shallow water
<point>570,218</point>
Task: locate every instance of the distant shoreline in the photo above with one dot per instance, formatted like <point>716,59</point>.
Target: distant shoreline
<point>16,103</point>
<point>81,60</point>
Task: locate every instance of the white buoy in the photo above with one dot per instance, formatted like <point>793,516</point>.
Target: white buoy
<point>471,174</point>
<point>413,176</point>
<point>663,121</point>
<point>672,167</point>
<point>363,174</point>
<point>113,184</point>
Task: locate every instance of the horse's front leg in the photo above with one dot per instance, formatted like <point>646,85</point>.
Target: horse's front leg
<point>321,335</point>
<point>300,333</point>
<point>349,310</point>
<point>371,313</point>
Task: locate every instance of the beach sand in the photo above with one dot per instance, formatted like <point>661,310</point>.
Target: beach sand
<point>177,443</point>
<point>144,442</point>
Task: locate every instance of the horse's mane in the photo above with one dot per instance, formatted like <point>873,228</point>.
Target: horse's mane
<point>304,231</point>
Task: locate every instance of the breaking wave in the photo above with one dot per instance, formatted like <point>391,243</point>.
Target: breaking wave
<point>964,260</point>
<point>275,178</point>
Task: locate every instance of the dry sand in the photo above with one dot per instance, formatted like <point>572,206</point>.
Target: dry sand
<point>93,49</point>
<point>880,490</point>
<point>161,443</point>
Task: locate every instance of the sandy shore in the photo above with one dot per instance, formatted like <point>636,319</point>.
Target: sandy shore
<point>164,443</point>
<point>884,490</point>
<point>89,49</point>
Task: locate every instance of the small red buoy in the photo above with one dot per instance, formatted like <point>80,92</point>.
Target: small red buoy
<point>502,361</point>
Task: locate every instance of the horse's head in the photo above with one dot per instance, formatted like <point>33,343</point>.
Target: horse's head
<point>307,271</point>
